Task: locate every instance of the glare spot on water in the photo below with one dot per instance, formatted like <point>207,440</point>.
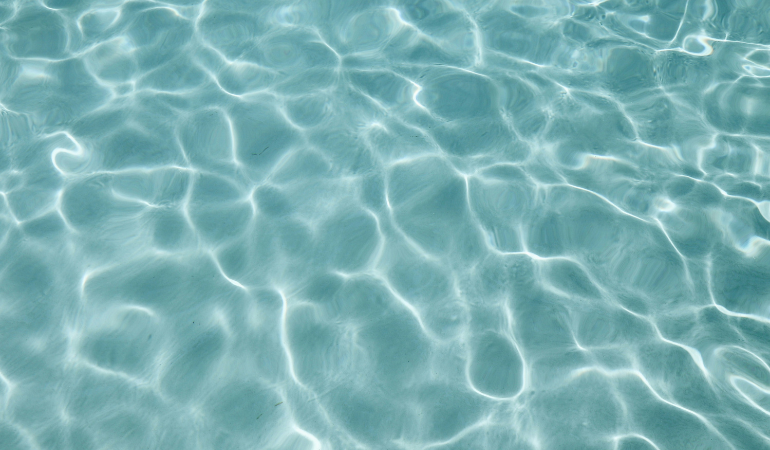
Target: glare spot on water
<point>416,93</point>
<point>35,70</point>
<point>665,205</point>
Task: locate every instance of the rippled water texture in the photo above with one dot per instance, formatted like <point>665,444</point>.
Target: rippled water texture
<point>348,224</point>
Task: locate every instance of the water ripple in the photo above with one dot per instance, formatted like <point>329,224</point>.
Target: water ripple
<point>434,224</point>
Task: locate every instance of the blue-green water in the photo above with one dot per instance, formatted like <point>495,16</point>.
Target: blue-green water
<point>339,224</point>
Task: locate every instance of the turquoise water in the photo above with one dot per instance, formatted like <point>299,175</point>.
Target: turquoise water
<point>438,224</point>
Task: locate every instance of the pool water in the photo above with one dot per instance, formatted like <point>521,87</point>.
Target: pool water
<point>385,224</point>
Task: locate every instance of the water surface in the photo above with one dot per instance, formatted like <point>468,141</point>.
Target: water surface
<point>438,224</point>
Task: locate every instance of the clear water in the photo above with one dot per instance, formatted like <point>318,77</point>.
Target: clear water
<point>348,224</point>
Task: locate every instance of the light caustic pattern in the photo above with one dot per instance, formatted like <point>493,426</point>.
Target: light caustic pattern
<point>438,224</point>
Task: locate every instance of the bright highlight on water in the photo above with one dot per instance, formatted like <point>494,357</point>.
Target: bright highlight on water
<point>397,225</point>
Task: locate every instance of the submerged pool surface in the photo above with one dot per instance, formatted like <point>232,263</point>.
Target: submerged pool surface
<point>438,224</point>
